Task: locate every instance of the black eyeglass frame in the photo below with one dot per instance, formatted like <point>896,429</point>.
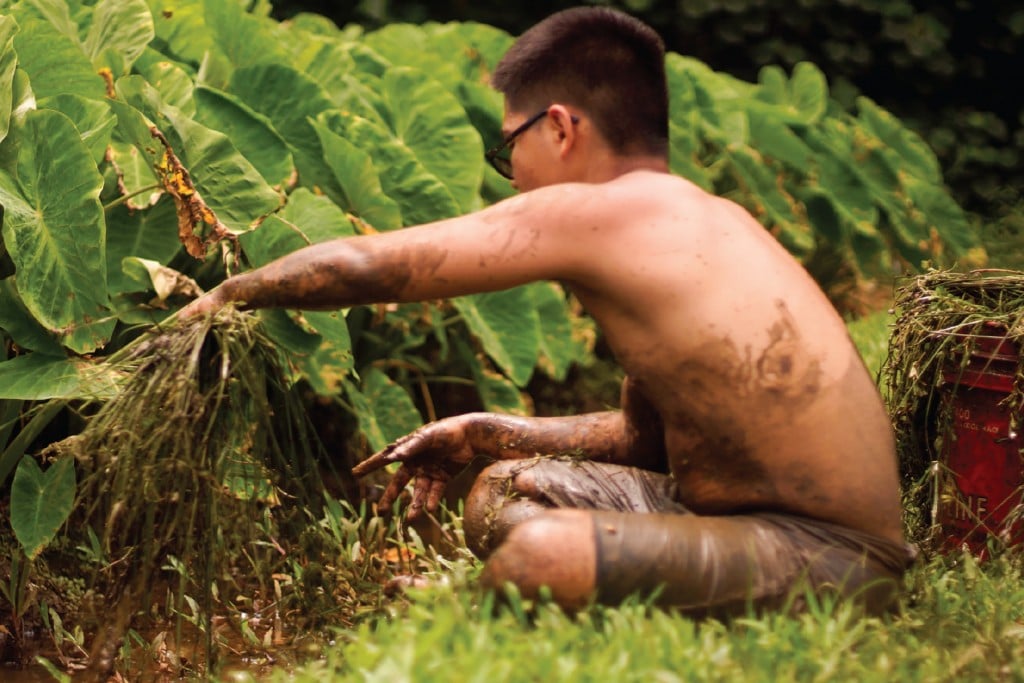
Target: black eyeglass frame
<point>503,165</point>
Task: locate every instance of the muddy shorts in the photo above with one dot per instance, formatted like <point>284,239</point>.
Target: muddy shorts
<point>648,543</point>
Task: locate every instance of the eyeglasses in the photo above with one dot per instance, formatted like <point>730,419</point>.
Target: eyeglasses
<point>503,164</point>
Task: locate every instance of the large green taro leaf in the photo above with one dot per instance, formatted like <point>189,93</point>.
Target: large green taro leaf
<point>559,346</point>
<point>431,123</point>
<point>768,201</point>
<point>776,141</point>
<point>385,410</point>
<point>41,502</point>
<point>8,64</point>
<point>55,231</point>
<point>55,62</point>
<point>359,181</point>
<point>17,321</point>
<point>40,377</point>
<point>231,186</point>
<point>837,174</point>
<point>119,32</point>
<point>361,93</point>
<point>420,195</point>
<point>409,45</point>
<point>150,234</point>
<point>181,26</point>
<point>903,148</point>
<point>479,47</point>
<point>324,58</point>
<point>315,216</point>
<point>134,169</point>
<point>55,12</point>
<point>318,341</point>
<point>684,129</point>
<point>225,179</point>
<point>497,393</point>
<point>245,39</point>
<point>92,118</point>
<point>23,101</point>
<point>803,99</point>
<point>944,216</point>
<point>289,99</point>
<point>451,53</point>
<point>172,80</point>
<point>251,133</point>
<point>714,92</point>
<point>306,219</point>
<point>508,327</point>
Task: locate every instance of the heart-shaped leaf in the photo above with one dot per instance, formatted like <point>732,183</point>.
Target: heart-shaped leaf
<point>41,502</point>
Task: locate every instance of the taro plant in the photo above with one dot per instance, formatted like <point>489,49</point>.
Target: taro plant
<point>149,148</point>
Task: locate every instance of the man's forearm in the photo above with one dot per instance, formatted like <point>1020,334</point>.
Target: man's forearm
<point>595,436</point>
<point>334,274</point>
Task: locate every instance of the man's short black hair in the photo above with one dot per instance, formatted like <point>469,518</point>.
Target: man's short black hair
<point>607,63</point>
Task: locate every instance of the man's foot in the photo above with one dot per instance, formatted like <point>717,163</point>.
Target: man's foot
<point>403,582</point>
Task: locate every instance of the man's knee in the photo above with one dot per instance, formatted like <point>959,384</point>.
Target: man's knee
<point>495,505</point>
<point>555,549</point>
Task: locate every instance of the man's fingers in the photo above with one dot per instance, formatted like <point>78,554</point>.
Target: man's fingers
<point>435,492</point>
<point>394,489</point>
<point>419,495</point>
<point>374,462</point>
<point>396,451</point>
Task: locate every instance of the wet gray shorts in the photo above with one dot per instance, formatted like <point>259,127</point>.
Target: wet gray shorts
<point>648,543</point>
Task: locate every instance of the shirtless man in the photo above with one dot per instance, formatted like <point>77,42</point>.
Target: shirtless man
<point>752,457</point>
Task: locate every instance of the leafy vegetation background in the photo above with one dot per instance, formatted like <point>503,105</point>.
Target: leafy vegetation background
<point>150,147</point>
<point>942,66</point>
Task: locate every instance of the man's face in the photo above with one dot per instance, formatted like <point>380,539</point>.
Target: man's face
<point>534,161</point>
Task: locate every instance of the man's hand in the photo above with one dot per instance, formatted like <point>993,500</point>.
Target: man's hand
<point>210,302</point>
<point>430,457</point>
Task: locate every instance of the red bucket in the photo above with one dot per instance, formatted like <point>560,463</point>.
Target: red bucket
<point>981,474</point>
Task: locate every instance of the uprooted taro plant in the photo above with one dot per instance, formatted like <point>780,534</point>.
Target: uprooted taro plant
<point>199,493</point>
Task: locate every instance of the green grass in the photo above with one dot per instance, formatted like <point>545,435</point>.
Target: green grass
<point>871,335</point>
<point>959,620</point>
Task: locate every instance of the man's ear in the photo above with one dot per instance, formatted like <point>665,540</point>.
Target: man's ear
<point>564,126</point>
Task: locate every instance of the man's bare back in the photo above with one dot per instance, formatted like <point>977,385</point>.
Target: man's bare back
<point>765,402</point>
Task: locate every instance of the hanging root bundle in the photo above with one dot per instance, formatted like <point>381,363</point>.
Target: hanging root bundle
<point>202,453</point>
<point>942,318</point>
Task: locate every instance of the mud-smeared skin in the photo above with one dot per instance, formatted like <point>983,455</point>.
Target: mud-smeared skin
<point>335,275</point>
<point>439,450</point>
<point>725,398</point>
<point>736,562</point>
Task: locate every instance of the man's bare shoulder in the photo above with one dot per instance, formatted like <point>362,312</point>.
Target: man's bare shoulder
<point>616,203</point>
<point>649,189</point>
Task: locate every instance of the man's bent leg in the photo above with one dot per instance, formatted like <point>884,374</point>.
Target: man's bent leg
<point>508,492</point>
<point>700,564</point>
<point>717,566</point>
<point>555,550</point>
<point>725,566</point>
<point>495,505</point>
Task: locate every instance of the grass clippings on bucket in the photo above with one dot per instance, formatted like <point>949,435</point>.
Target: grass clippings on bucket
<point>955,344</point>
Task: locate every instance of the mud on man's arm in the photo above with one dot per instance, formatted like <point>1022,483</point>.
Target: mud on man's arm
<point>436,452</point>
<point>504,245</point>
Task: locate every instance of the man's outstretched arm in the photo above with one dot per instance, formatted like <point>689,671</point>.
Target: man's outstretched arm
<point>434,453</point>
<point>523,239</point>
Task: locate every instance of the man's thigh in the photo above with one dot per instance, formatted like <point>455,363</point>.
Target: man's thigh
<point>564,482</point>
